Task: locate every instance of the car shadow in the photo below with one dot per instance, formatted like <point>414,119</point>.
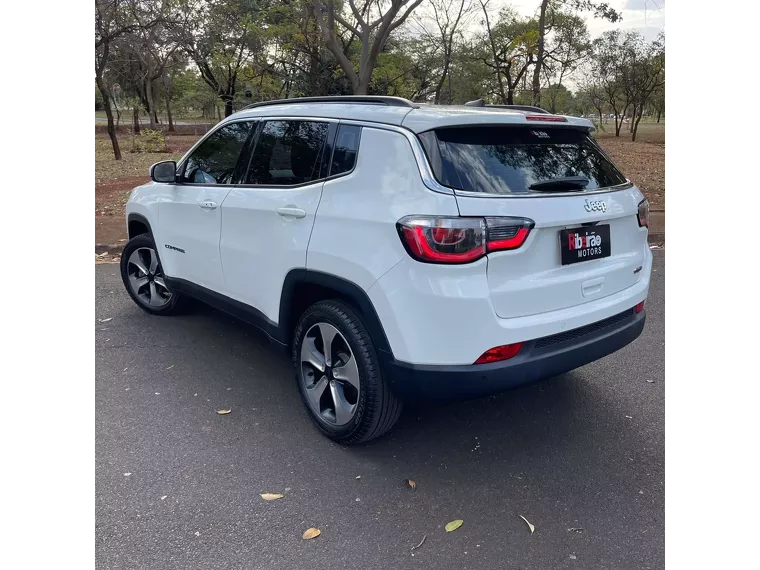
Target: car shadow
<point>551,423</point>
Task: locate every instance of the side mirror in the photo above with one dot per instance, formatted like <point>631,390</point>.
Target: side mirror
<point>165,171</point>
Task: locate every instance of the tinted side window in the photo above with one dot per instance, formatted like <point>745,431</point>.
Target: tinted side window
<point>214,161</point>
<point>287,153</point>
<point>346,147</point>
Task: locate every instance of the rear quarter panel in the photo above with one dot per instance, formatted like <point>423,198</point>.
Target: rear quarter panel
<point>354,236</point>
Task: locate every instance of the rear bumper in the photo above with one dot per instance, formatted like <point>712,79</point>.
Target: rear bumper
<point>538,359</point>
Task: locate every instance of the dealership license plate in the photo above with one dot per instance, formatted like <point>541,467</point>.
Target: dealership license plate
<point>584,244</point>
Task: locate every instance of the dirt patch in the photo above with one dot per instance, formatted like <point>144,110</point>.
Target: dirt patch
<point>110,199</point>
<point>115,179</point>
<point>642,163</point>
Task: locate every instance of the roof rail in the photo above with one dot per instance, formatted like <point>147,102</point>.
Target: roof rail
<point>356,99</point>
<point>529,108</point>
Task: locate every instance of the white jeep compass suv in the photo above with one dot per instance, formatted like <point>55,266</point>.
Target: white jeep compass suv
<point>399,250</point>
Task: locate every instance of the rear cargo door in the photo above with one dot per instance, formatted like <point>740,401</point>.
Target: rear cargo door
<point>586,243</point>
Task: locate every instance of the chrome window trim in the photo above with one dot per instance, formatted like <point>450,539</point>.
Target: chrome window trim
<point>624,186</point>
<point>423,165</point>
<point>419,153</point>
<point>221,125</point>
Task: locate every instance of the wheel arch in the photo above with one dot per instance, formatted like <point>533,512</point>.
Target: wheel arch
<point>138,224</point>
<point>304,287</point>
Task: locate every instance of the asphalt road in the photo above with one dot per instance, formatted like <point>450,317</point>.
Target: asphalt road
<point>177,485</point>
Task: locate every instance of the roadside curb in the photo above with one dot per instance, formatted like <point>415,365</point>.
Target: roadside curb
<point>112,249</point>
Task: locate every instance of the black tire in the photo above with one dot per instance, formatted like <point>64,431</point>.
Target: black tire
<point>377,407</point>
<point>144,241</point>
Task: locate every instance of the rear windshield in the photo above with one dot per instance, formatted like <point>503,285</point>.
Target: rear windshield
<point>508,160</point>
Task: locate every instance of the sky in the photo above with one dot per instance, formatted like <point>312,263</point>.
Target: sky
<point>645,16</point>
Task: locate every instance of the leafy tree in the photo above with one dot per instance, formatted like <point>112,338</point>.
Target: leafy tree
<point>509,48</point>
<point>112,20</point>
<point>546,22</point>
<point>222,38</point>
<point>370,22</point>
<point>442,35</point>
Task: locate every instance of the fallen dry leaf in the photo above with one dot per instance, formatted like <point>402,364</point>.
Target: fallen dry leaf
<point>530,526</point>
<point>311,533</point>
<point>411,483</point>
<point>453,525</point>
<point>271,496</point>
<point>575,529</point>
<point>223,412</point>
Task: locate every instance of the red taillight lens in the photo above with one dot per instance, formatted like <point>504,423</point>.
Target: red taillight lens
<point>460,240</point>
<point>443,240</point>
<point>499,353</point>
<point>640,306</point>
<point>643,214</point>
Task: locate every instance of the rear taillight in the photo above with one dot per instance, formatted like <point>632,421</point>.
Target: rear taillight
<point>460,240</point>
<point>499,353</point>
<point>643,214</point>
<point>640,306</point>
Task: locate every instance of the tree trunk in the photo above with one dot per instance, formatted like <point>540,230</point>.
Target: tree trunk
<point>539,54</point>
<point>659,114</point>
<point>218,113</point>
<point>635,123</point>
<point>109,115</point>
<point>444,75</point>
<point>619,115</point>
<point>635,128</point>
<point>168,105</point>
<point>227,107</point>
<point>362,87</point>
<point>510,96</point>
<point>149,101</point>
<point>136,120</point>
<point>630,125</point>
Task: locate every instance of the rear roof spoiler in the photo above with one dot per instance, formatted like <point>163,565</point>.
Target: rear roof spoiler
<point>528,108</point>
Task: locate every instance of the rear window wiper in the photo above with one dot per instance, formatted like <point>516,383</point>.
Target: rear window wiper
<point>568,183</point>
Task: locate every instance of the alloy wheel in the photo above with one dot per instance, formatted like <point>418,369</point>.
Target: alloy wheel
<point>330,374</point>
<point>146,278</point>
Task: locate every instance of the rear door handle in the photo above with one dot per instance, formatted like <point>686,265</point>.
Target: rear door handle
<point>291,212</point>
<point>207,205</point>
